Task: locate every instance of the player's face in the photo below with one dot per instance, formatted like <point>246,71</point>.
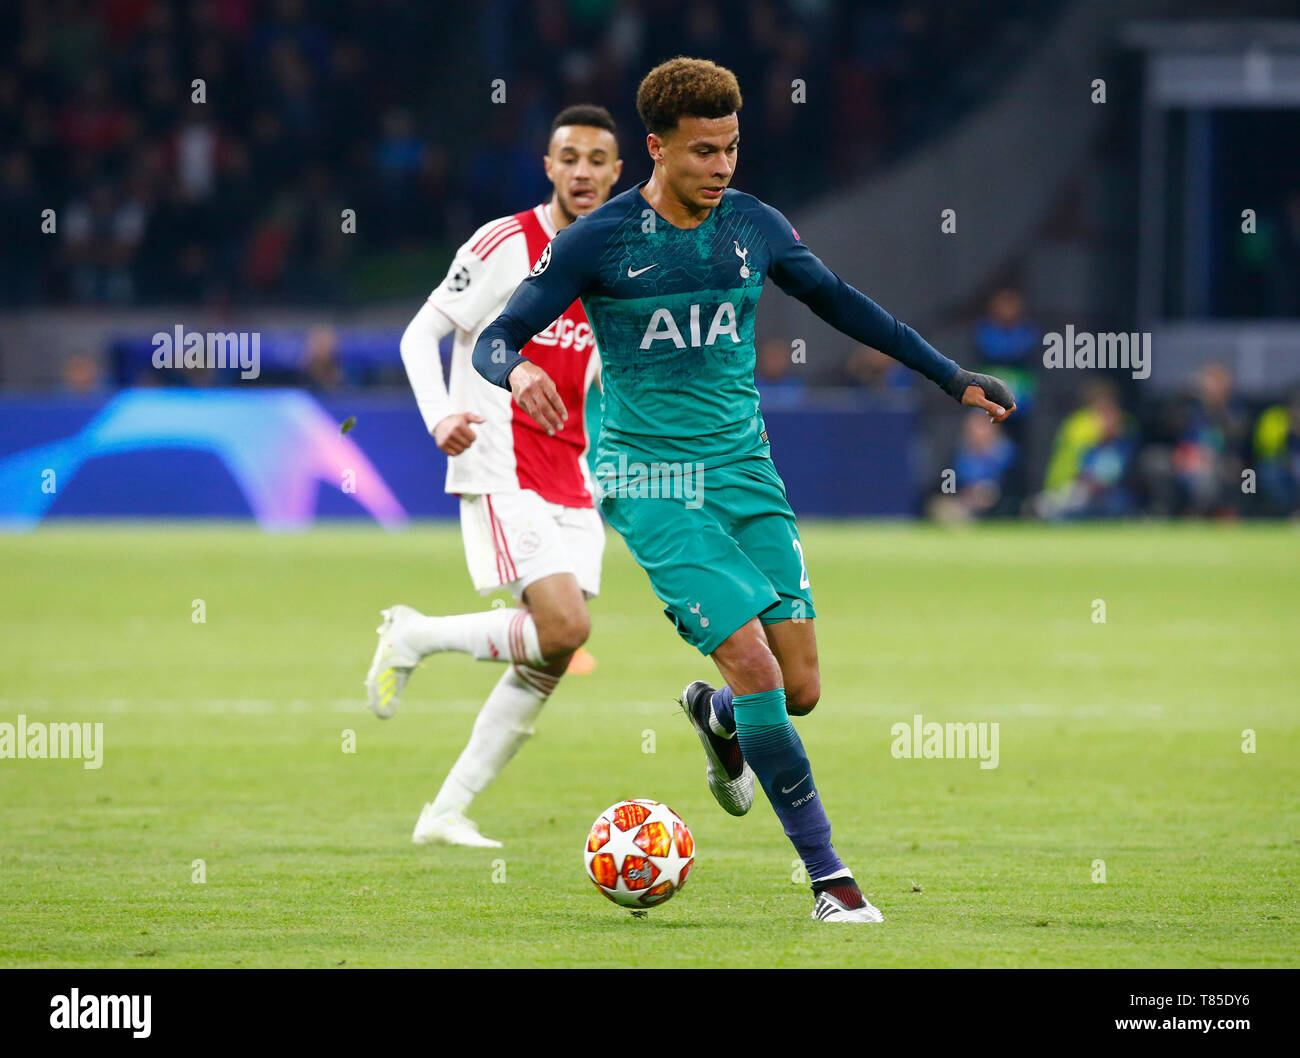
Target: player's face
<point>583,164</point>
<point>699,158</point>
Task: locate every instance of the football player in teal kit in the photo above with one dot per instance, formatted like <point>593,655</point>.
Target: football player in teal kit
<point>670,273</point>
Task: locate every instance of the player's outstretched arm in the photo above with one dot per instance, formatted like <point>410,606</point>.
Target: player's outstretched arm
<point>849,310</point>
<point>800,273</point>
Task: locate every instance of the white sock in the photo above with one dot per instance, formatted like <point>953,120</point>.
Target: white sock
<point>489,635</point>
<point>842,873</point>
<point>715,725</point>
<point>504,724</point>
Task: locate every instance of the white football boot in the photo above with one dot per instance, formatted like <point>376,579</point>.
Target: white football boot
<point>449,827</point>
<point>731,779</point>
<point>394,661</point>
<point>828,908</point>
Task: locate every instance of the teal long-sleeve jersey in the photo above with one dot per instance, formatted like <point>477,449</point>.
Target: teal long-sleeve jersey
<point>672,310</point>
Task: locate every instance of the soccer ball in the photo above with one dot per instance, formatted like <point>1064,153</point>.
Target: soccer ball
<point>639,853</point>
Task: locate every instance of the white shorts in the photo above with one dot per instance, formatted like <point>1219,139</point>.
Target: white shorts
<point>513,539</point>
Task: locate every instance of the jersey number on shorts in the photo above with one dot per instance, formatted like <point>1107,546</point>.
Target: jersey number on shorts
<point>803,565</point>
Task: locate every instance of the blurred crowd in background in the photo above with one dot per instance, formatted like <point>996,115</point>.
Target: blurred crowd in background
<point>1110,447</point>
<point>309,110</point>
<point>1098,446</point>
<point>385,108</point>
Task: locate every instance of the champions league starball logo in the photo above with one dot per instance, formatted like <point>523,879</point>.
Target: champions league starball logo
<point>542,262</point>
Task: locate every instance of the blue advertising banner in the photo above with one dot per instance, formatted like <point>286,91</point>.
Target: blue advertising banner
<point>278,456</point>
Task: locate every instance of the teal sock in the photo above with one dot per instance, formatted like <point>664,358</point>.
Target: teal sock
<point>773,749</point>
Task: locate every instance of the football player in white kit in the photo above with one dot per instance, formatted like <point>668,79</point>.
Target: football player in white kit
<point>526,510</point>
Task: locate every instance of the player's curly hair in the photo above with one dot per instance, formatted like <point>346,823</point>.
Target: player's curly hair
<point>683,87</point>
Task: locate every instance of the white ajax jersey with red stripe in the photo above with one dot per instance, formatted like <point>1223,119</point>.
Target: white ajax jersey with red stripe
<point>512,452</point>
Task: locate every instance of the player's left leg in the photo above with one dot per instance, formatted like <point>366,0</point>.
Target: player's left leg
<point>773,749</point>
<point>751,500</point>
<point>511,540</point>
<point>794,642</point>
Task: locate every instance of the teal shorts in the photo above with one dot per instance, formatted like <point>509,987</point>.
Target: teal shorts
<point>720,554</point>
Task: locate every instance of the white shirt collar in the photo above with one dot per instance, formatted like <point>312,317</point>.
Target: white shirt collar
<point>544,217</point>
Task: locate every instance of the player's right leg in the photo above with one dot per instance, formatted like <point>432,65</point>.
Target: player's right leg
<point>750,503</point>
<point>730,779</point>
<point>794,642</point>
<point>683,549</point>
<point>553,555</point>
<point>795,645</point>
<point>505,722</point>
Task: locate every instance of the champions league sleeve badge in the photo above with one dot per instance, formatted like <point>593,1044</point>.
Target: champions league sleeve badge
<point>542,262</point>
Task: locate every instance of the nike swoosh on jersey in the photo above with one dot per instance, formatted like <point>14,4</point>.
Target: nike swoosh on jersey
<point>633,275</point>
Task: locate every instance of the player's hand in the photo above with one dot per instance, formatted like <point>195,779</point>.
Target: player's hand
<point>534,391</point>
<point>453,434</point>
<point>983,391</point>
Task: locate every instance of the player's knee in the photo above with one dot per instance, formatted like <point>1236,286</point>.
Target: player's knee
<point>762,665</point>
<point>802,698</point>
<point>746,659</point>
<point>564,633</point>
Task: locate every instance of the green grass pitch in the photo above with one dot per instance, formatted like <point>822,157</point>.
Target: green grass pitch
<point>224,741</point>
